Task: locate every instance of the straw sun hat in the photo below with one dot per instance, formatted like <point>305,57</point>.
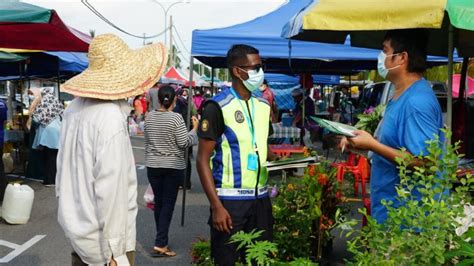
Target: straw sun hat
<point>116,71</point>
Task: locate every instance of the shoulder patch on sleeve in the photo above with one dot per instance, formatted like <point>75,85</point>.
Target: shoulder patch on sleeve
<point>204,125</point>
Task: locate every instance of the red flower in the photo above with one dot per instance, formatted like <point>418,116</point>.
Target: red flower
<point>323,179</point>
<point>311,170</point>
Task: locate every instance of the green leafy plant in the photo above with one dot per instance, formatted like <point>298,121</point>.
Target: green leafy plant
<point>304,212</point>
<point>370,119</point>
<point>418,230</point>
<point>262,253</point>
<point>201,252</point>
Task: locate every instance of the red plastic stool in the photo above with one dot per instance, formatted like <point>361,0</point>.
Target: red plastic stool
<point>360,171</point>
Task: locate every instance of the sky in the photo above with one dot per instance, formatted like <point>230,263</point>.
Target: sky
<point>146,16</point>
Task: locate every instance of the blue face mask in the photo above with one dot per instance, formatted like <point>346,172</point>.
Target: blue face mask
<point>381,68</point>
<point>255,79</point>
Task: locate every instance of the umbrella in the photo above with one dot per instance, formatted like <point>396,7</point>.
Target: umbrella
<point>9,57</point>
<point>450,23</point>
<point>25,26</point>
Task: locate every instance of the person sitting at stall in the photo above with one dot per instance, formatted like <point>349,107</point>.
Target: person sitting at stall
<point>297,95</point>
<point>304,122</point>
<point>347,107</point>
<point>268,95</point>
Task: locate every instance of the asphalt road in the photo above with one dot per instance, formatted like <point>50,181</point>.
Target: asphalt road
<point>52,248</point>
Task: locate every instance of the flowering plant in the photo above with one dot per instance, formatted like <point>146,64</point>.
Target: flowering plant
<point>371,118</point>
<point>304,212</point>
<point>201,252</point>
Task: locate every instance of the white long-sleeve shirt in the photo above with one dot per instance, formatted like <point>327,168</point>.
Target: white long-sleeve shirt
<point>96,182</point>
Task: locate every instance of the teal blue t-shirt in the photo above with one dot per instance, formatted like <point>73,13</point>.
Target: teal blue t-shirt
<point>409,121</point>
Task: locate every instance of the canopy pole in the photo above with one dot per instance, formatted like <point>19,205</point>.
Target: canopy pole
<point>462,83</point>
<point>59,83</point>
<point>212,80</point>
<point>188,120</point>
<point>449,115</point>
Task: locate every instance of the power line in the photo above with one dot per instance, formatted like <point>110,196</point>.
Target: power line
<point>181,46</point>
<point>180,40</point>
<point>103,18</point>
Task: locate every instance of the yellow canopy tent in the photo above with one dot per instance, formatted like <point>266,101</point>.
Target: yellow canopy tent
<point>450,23</point>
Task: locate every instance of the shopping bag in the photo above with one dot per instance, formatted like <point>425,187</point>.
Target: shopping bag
<point>8,163</point>
<point>149,198</point>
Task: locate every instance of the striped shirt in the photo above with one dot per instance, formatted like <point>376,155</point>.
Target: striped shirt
<point>166,139</point>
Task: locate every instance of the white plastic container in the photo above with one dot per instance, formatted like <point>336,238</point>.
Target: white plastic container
<point>17,203</point>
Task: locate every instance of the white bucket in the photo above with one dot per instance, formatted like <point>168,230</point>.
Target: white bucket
<point>17,203</point>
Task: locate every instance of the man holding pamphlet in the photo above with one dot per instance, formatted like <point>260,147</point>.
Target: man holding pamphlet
<point>412,117</point>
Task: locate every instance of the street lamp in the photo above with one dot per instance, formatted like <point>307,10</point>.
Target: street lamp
<point>165,10</point>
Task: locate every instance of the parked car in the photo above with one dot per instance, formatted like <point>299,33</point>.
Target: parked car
<point>381,92</point>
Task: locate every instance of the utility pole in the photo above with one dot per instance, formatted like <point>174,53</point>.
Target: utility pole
<point>171,42</point>
<point>144,39</point>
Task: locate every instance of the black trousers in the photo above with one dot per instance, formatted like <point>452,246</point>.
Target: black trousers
<point>164,182</point>
<point>49,164</point>
<point>246,215</point>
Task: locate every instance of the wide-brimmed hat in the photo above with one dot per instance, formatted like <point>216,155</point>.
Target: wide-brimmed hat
<point>115,71</point>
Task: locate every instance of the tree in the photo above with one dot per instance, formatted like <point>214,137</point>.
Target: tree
<point>222,74</point>
<point>202,69</point>
<point>92,33</point>
<point>177,61</point>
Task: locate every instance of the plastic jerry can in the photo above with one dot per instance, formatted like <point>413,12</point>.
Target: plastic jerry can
<point>17,203</point>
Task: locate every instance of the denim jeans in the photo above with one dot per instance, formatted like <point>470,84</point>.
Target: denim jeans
<point>164,182</point>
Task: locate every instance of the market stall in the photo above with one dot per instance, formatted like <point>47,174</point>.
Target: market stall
<point>25,26</point>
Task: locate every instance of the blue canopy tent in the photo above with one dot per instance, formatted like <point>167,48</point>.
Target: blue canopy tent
<point>71,61</point>
<point>282,85</point>
<point>210,46</point>
<point>46,64</point>
<point>264,33</point>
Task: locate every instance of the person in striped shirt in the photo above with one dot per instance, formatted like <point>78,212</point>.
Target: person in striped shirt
<point>166,139</point>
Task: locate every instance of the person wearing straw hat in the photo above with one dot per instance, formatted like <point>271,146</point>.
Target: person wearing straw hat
<point>96,182</point>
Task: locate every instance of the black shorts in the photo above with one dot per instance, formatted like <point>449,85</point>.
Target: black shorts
<point>246,215</point>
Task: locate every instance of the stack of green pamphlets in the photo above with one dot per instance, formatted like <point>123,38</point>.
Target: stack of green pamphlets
<point>336,127</point>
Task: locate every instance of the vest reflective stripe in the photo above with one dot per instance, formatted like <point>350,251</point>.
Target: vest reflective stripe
<point>217,164</point>
<point>229,162</point>
<point>234,157</point>
<point>241,193</point>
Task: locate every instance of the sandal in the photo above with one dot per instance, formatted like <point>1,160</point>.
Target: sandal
<point>162,252</point>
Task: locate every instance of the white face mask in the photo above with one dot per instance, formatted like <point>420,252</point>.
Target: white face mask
<point>31,98</point>
<point>263,88</point>
<point>381,68</point>
<point>255,79</point>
